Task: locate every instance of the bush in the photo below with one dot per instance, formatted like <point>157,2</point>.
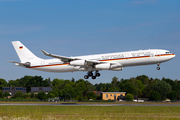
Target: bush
<point>129,97</point>
<point>6,94</point>
<point>18,94</point>
<point>51,95</point>
<point>27,95</point>
<point>91,95</point>
<point>155,96</point>
<point>34,95</point>
<point>42,95</point>
<point>172,95</point>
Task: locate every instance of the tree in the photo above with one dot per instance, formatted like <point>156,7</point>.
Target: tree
<point>30,81</point>
<point>129,97</point>
<point>42,95</point>
<point>91,95</point>
<point>54,92</point>
<point>58,83</point>
<point>1,94</point>
<point>163,88</point>
<point>114,82</point>
<point>143,78</point>
<point>172,83</point>
<point>18,94</point>
<point>172,95</point>
<point>72,80</point>
<point>130,88</point>
<point>51,95</point>
<point>72,92</point>
<point>140,87</point>
<point>3,83</point>
<point>6,94</point>
<point>155,96</point>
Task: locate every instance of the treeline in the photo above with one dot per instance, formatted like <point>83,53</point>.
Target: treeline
<point>140,86</point>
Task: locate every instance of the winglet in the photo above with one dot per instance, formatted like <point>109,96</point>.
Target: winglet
<point>63,58</point>
<point>45,53</point>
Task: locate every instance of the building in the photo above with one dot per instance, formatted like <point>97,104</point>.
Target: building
<point>113,95</point>
<point>36,90</point>
<point>13,90</point>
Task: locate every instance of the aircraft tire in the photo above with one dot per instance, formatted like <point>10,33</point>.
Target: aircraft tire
<point>98,74</point>
<point>158,68</point>
<point>86,77</point>
<point>93,77</point>
<point>90,74</point>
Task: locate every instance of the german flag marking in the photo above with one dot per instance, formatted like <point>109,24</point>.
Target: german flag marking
<point>21,47</point>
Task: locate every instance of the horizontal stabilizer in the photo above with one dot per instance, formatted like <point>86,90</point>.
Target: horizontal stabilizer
<point>27,64</point>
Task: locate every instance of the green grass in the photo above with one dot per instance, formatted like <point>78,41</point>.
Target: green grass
<point>90,112</point>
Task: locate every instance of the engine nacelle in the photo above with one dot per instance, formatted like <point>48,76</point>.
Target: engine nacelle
<point>117,69</point>
<point>78,63</point>
<point>105,66</point>
<point>115,66</point>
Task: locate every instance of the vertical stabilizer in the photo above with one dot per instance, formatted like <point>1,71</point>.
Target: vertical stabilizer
<point>25,55</point>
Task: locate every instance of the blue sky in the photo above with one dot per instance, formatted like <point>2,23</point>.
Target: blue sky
<point>84,27</point>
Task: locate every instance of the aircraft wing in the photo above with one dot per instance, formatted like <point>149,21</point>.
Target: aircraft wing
<point>68,59</point>
<point>63,58</point>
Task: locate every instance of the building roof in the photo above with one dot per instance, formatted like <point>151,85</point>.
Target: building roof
<point>113,92</point>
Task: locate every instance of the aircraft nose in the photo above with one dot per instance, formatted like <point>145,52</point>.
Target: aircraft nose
<point>173,55</point>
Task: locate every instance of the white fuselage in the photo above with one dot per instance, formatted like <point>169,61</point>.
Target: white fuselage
<point>124,59</point>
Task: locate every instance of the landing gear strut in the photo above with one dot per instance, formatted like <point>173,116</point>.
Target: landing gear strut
<point>90,74</point>
<point>158,68</point>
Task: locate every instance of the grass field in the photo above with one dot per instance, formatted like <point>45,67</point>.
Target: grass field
<point>89,112</point>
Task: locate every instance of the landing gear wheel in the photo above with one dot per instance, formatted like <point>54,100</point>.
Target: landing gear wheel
<point>93,77</point>
<point>158,68</point>
<point>86,77</point>
<point>97,74</point>
<point>90,74</point>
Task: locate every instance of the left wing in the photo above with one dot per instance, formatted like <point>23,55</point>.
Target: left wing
<point>63,58</point>
<point>69,59</point>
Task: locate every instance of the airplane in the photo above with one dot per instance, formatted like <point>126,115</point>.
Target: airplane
<point>90,63</point>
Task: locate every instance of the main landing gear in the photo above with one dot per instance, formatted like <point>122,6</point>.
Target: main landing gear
<point>158,68</point>
<point>90,74</point>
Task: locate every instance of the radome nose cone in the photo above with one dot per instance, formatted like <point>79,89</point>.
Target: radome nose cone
<point>173,55</point>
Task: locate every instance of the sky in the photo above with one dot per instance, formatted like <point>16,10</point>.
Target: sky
<point>85,27</point>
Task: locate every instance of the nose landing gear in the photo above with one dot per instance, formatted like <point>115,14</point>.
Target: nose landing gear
<point>158,68</point>
<point>90,74</point>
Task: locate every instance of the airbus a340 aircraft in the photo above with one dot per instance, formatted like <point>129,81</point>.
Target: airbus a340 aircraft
<point>90,63</point>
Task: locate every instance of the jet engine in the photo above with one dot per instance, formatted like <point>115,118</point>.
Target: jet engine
<point>78,63</point>
<point>105,66</point>
<point>108,66</point>
<point>117,69</point>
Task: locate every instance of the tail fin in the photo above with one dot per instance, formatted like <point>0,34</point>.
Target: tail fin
<point>25,55</point>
